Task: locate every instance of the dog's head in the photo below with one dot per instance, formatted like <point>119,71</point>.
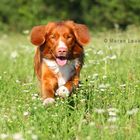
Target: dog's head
<point>60,41</point>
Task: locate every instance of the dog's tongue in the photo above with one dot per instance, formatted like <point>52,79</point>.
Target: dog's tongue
<point>61,62</point>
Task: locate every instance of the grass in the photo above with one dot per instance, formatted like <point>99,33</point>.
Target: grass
<point>105,107</point>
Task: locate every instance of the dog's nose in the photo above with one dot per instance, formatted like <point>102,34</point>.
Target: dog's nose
<point>62,51</point>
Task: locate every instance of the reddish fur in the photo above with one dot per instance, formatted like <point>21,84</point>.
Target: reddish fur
<point>48,82</point>
<point>42,36</point>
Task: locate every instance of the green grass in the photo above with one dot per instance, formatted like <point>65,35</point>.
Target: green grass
<point>105,107</point>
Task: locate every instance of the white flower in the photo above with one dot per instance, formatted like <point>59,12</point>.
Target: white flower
<point>5,72</point>
<point>84,121</point>
<point>102,89</point>
<point>113,57</point>
<point>92,124</point>
<point>33,98</point>
<point>18,136</point>
<point>112,113</point>
<point>36,95</point>
<point>35,108</point>
<point>104,76</point>
<point>123,85</point>
<point>3,136</point>
<point>112,119</point>
<point>103,86</point>
<point>17,81</point>
<point>26,113</point>
<point>105,59</point>
<point>94,76</point>
<point>14,54</point>
<point>26,84</point>
<point>87,138</point>
<point>100,52</point>
<point>82,100</point>
<point>26,91</point>
<point>99,110</point>
<point>34,137</point>
<point>25,32</point>
<point>112,110</point>
<point>133,111</point>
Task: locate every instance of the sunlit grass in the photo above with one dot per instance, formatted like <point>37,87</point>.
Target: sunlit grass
<point>106,106</point>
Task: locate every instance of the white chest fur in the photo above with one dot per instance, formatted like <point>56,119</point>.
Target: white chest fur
<point>64,73</point>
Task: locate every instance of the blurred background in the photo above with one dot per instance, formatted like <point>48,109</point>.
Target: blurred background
<point>19,15</point>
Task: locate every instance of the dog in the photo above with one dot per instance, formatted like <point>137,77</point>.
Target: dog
<point>59,57</point>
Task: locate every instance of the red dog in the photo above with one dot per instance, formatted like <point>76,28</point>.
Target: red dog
<point>59,57</point>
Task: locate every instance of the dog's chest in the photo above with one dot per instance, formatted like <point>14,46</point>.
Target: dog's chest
<point>63,73</point>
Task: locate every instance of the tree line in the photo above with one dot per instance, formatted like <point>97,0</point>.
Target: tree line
<point>19,15</point>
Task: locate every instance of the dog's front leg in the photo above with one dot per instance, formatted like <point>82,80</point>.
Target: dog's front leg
<point>65,91</point>
<point>48,85</point>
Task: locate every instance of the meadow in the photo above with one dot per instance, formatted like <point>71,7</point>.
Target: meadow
<point>104,107</point>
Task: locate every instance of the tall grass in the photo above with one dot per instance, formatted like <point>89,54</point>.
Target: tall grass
<point>105,107</point>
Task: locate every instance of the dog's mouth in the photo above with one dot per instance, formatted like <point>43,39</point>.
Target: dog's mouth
<point>61,60</point>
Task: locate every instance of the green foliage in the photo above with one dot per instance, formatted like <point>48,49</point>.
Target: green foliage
<point>23,14</point>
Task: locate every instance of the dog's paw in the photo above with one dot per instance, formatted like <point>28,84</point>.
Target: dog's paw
<point>63,92</point>
<point>48,101</point>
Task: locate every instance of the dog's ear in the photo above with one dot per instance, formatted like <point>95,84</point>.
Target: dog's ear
<point>38,33</point>
<point>81,32</point>
<point>37,63</point>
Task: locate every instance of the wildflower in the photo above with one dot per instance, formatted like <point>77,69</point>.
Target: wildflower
<point>133,111</point>
<point>104,76</point>
<point>123,85</point>
<point>84,121</point>
<point>34,96</point>
<point>92,124</point>
<point>82,100</point>
<point>26,32</point>
<point>100,52</point>
<point>112,110</point>
<point>99,111</point>
<point>88,138</point>
<point>103,87</point>
<point>113,57</point>
<point>26,91</point>
<point>85,66</point>
<point>112,113</point>
<point>3,136</point>
<point>112,119</point>
<point>18,136</point>
<point>14,54</point>
<point>35,108</point>
<point>26,113</point>
<point>5,72</point>
<point>105,59</point>
<point>34,137</point>
<point>90,61</point>
<point>17,81</point>
<point>94,76</point>
<point>112,127</point>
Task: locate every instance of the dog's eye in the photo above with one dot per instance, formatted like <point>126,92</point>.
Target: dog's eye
<point>52,36</point>
<point>69,37</point>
